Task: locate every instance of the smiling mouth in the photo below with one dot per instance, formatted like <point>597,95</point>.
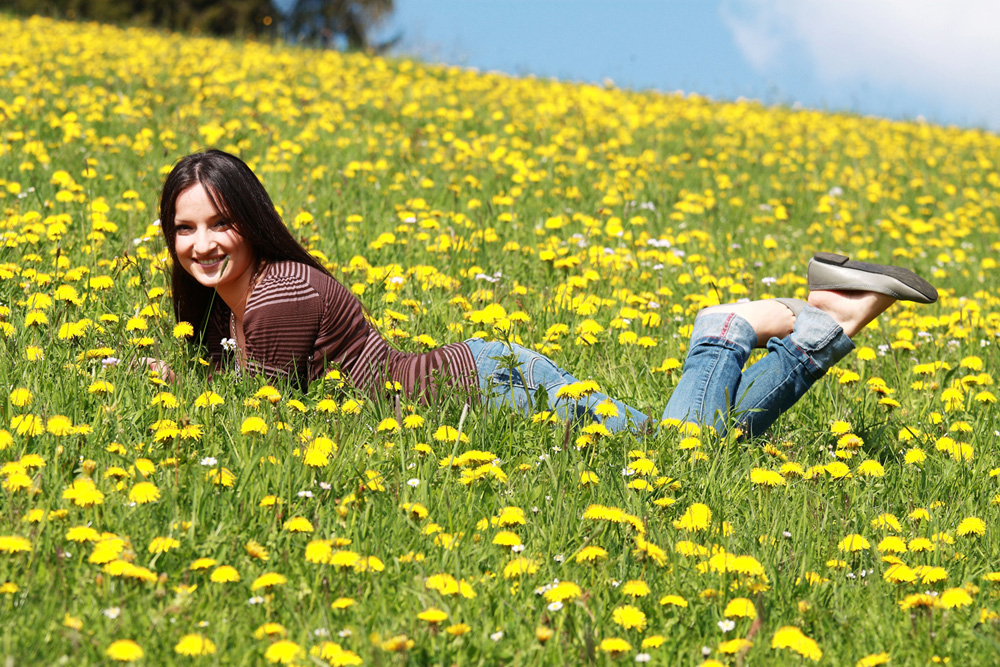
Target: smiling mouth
<point>210,262</point>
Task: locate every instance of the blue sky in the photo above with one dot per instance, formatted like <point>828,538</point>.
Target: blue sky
<point>895,58</point>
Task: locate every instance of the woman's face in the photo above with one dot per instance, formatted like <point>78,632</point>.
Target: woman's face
<point>204,239</point>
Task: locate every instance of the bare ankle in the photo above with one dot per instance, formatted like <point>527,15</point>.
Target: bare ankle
<point>851,310</point>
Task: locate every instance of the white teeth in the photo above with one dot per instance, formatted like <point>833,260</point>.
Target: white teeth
<point>209,262</point>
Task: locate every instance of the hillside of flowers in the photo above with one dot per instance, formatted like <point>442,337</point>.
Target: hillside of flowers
<point>211,520</point>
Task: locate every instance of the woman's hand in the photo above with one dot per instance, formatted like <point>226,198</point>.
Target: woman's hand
<point>159,367</point>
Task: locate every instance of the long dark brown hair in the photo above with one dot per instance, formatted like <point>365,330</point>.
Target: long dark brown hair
<point>240,197</point>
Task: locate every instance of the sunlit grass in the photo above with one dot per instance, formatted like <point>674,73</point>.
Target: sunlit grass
<point>241,522</point>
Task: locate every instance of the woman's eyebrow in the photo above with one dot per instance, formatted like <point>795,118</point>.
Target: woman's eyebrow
<point>210,218</point>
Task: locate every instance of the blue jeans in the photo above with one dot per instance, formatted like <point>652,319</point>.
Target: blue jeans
<point>714,390</point>
<point>516,383</point>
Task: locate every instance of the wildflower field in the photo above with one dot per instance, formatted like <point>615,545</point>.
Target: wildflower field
<point>245,523</point>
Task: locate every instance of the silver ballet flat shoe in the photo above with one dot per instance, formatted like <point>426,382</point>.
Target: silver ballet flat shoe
<point>829,271</point>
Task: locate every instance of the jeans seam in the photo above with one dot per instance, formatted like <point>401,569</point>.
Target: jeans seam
<point>700,400</point>
<point>751,410</point>
<point>814,369</point>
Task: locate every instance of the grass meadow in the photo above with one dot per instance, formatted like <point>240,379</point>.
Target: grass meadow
<point>245,523</point>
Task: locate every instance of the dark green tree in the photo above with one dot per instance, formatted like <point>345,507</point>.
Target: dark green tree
<point>322,22</point>
<point>325,22</point>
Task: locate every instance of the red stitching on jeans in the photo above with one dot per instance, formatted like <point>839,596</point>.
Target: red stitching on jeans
<point>725,327</point>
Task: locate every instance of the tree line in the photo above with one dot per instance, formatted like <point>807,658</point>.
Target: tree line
<point>328,23</point>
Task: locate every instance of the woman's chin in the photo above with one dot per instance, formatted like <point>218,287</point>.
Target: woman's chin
<point>207,278</point>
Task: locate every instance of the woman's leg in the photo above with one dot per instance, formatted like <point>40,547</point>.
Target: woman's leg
<point>822,337</point>
<point>792,365</point>
<point>721,343</point>
<point>715,389</point>
<point>512,376</point>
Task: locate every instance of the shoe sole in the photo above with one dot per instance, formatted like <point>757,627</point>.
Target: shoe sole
<point>829,271</point>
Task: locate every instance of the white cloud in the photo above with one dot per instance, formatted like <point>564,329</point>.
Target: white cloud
<point>943,52</point>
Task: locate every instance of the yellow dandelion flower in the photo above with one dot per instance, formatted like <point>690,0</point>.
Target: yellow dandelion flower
<point>14,544</point>
<point>193,645</point>
<point>870,468</point>
<point>853,543</point>
<point>255,550</point>
<point>202,564</point>
<point>971,526</point>
<point>734,646</point>
<point>82,534</point>
<point>253,425</point>
<point>208,399</point>
<point>791,637</point>
<point>283,652</point>
<point>510,516</point>
<point>83,493</point>
<point>446,433</point>
<point>954,597</point>
<point>124,650</point>
<point>144,493</point>
<point>629,617</point>
<point>740,608</point>
<point>840,427</point>
<point>183,330</point>
<point>270,629</point>
<point>20,397</point>
<point>335,655</point>
<point>59,425</point>
<point>221,477</point>
<point>506,538</point>
<point>100,387</point>
<point>518,567</point>
<point>696,518</point>
<point>563,591</point>
<point>764,477</point>
<point>873,660</point>
<point>892,544</point>
<point>267,580</point>
<point>398,643</point>
<point>917,600</point>
<point>162,545</point>
<point>674,601</point>
<point>636,588</point>
<point>433,615</point>
<point>351,407</point>
<point>389,425</point>
<point>298,524</point>
<point>615,645</point>
<point>268,393</point>
<point>224,574</point>
<point>591,554</point>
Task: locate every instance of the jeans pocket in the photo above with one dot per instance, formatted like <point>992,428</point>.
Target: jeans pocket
<point>508,377</point>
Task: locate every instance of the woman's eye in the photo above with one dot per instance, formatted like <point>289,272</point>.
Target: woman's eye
<point>221,224</point>
<point>183,229</point>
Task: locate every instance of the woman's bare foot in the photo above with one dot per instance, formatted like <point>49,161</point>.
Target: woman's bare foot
<point>851,310</point>
<point>769,318</point>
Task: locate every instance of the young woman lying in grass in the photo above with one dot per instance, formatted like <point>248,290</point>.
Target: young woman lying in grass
<point>267,306</point>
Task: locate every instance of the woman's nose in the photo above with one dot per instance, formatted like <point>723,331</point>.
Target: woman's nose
<point>203,242</point>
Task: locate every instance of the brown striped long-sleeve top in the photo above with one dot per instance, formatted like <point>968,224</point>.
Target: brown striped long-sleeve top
<point>300,321</point>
